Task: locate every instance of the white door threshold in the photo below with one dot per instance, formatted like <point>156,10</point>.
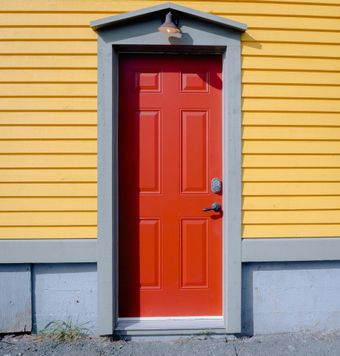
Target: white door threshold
<point>171,325</point>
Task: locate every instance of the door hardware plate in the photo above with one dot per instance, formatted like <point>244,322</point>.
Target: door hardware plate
<point>216,185</point>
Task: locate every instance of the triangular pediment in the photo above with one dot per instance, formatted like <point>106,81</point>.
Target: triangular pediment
<point>161,10</point>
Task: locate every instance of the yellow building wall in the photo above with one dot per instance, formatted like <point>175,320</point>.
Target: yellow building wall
<point>291,115</point>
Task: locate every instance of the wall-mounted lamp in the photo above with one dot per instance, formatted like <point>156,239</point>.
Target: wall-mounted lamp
<point>168,26</point>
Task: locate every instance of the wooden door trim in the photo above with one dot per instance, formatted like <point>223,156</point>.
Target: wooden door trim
<point>208,38</point>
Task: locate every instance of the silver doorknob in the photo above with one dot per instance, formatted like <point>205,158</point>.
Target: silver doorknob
<point>214,207</point>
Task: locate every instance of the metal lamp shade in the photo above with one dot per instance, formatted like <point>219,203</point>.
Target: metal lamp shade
<point>168,26</point>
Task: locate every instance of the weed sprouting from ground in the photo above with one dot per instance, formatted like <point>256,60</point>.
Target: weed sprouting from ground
<point>64,331</point>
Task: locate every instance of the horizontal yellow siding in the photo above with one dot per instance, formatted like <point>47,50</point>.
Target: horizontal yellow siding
<point>286,147</point>
<point>291,161</point>
<point>295,217</point>
<point>88,218</point>
<point>55,160</point>
<point>46,132</point>
<point>51,146</point>
<point>48,47</point>
<point>290,49</point>
<point>297,203</point>
<point>291,115</point>
<point>294,230</point>
<point>50,204</point>
<point>307,64</point>
<point>276,92</point>
<point>288,77</point>
<point>48,75</point>
<point>287,188</point>
<point>28,61</point>
<point>48,232</point>
<point>49,175</point>
<point>39,90</point>
<point>47,117</point>
<point>291,133</point>
<point>48,189</point>
<point>291,175</point>
<point>275,118</point>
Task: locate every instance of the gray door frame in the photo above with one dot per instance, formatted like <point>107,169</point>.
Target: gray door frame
<point>203,33</point>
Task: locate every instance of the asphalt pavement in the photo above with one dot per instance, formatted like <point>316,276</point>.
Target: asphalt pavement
<point>271,345</point>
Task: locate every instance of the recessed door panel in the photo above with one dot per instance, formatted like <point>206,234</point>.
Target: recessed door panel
<point>195,82</point>
<point>170,250</point>
<point>194,151</point>
<point>194,253</point>
<point>145,81</point>
<point>149,150</point>
<point>149,253</point>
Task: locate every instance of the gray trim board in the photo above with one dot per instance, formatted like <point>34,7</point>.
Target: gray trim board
<point>291,249</point>
<point>48,251</point>
<point>198,32</point>
<point>154,10</point>
<point>169,332</point>
<point>107,186</point>
<point>131,324</point>
<point>232,188</point>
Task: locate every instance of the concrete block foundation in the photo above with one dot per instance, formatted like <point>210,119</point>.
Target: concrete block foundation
<point>276,297</point>
<point>290,297</point>
<point>65,292</point>
<point>15,298</point>
<point>31,296</point>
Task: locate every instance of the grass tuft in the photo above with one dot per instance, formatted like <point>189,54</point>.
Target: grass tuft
<point>64,331</point>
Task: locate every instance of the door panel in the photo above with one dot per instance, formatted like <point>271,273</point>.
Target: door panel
<point>194,251</point>
<point>194,160</point>
<point>149,151</point>
<point>170,251</point>
<point>149,253</point>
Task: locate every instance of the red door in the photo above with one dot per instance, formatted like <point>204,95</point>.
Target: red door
<point>170,133</point>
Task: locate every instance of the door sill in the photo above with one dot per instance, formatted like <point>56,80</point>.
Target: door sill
<point>171,325</point>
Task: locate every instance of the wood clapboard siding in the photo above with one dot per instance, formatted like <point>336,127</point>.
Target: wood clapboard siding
<point>47,204</point>
<point>48,119</point>
<point>290,103</point>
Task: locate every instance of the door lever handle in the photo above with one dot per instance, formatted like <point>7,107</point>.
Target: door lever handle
<point>214,207</point>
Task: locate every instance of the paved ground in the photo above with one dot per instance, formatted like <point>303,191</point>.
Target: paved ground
<point>274,345</point>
